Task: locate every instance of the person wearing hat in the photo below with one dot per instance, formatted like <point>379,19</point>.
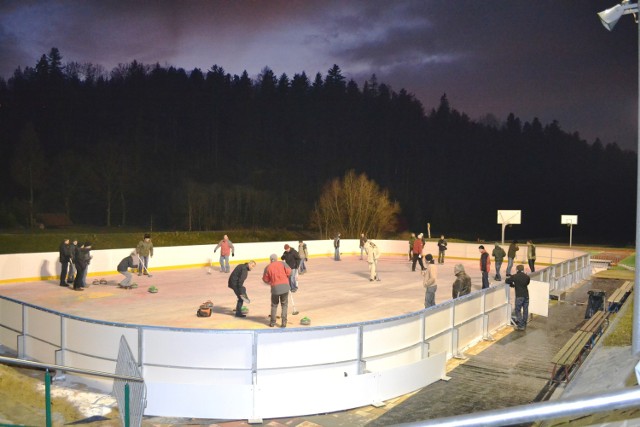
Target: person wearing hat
<point>304,256</point>
<point>520,281</point>
<point>462,284</point>
<point>276,275</point>
<point>485,266</point>
<point>145,250</point>
<point>236,283</point>
<point>429,277</point>
<point>292,258</point>
<point>128,262</point>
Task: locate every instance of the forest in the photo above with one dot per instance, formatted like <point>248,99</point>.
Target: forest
<point>151,146</point>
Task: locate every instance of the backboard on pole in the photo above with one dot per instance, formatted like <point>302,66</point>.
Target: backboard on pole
<point>569,219</point>
<point>509,217</point>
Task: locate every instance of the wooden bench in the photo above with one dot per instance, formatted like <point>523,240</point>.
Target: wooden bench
<point>619,296</point>
<point>570,356</point>
<point>596,325</point>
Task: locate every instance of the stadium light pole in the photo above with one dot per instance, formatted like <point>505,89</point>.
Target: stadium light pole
<point>609,18</point>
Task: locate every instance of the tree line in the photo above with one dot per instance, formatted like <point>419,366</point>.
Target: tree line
<point>203,150</point>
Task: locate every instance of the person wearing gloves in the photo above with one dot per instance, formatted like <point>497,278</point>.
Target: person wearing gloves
<point>128,262</point>
<point>226,248</point>
<point>236,284</point>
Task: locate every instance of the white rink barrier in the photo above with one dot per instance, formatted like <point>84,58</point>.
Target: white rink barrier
<point>46,266</point>
<point>250,374</point>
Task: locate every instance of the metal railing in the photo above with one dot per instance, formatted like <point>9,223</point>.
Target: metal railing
<point>47,381</point>
<point>582,405</point>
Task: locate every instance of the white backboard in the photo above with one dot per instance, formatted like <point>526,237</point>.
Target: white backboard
<point>569,219</point>
<point>509,217</point>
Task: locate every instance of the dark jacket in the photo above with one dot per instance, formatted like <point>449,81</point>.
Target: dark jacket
<point>520,281</point>
<point>513,248</point>
<point>462,285</point>
<point>83,258</point>
<point>498,253</point>
<point>65,252</point>
<point>238,276</point>
<point>485,264</point>
<point>127,263</point>
<point>291,257</point>
<point>442,245</point>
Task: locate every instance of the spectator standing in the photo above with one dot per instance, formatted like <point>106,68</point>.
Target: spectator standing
<point>417,253</point>
<point>83,259</point>
<point>276,275</point>
<point>304,256</point>
<point>145,250</point>
<point>520,281</point>
<point>429,279</point>
<point>531,255</point>
<point>511,255</point>
<point>123,268</point>
<point>363,240</point>
<point>485,266</point>
<point>373,253</point>
<point>336,247</point>
<point>226,248</point>
<point>73,251</point>
<point>498,255</point>
<point>65,259</point>
<point>442,247</point>
<point>412,239</point>
<point>236,284</point>
<point>462,284</point>
<point>292,258</point>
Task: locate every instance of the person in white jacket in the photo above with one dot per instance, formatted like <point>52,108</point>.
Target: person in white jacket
<point>373,253</point>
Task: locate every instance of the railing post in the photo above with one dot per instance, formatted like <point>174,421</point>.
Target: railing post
<point>126,405</point>
<point>47,397</point>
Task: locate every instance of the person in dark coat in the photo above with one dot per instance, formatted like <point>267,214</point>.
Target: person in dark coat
<point>65,259</point>
<point>123,268</point>
<point>236,283</point>
<point>442,247</point>
<point>83,258</point>
<point>520,281</point>
<point>511,255</point>
<point>485,266</point>
<point>292,258</point>
<point>73,251</point>
<point>462,284</point>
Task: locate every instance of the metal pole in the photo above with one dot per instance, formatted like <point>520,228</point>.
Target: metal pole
<point>570,234</point>
<point>635,342</point>
<point>47,397</point>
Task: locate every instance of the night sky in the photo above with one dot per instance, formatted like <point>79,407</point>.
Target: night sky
<point>536,58</point>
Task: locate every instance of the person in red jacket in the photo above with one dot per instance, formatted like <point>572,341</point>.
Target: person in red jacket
<point>276,274</point>
<point>226,248</point>
<point>417,253</point>
<point>485,266</point>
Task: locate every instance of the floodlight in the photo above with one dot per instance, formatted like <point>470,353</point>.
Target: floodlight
<point>610,17</point>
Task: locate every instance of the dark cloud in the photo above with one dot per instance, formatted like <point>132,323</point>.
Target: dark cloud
<point>547,59</point>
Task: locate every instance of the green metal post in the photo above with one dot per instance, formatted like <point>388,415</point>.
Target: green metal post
<point>47,396</point>
<point>126,405</point>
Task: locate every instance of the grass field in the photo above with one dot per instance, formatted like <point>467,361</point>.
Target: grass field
<point>49,240</point>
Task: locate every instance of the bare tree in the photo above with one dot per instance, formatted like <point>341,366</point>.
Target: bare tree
<point>28,167</point>
<point>353,205</point>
